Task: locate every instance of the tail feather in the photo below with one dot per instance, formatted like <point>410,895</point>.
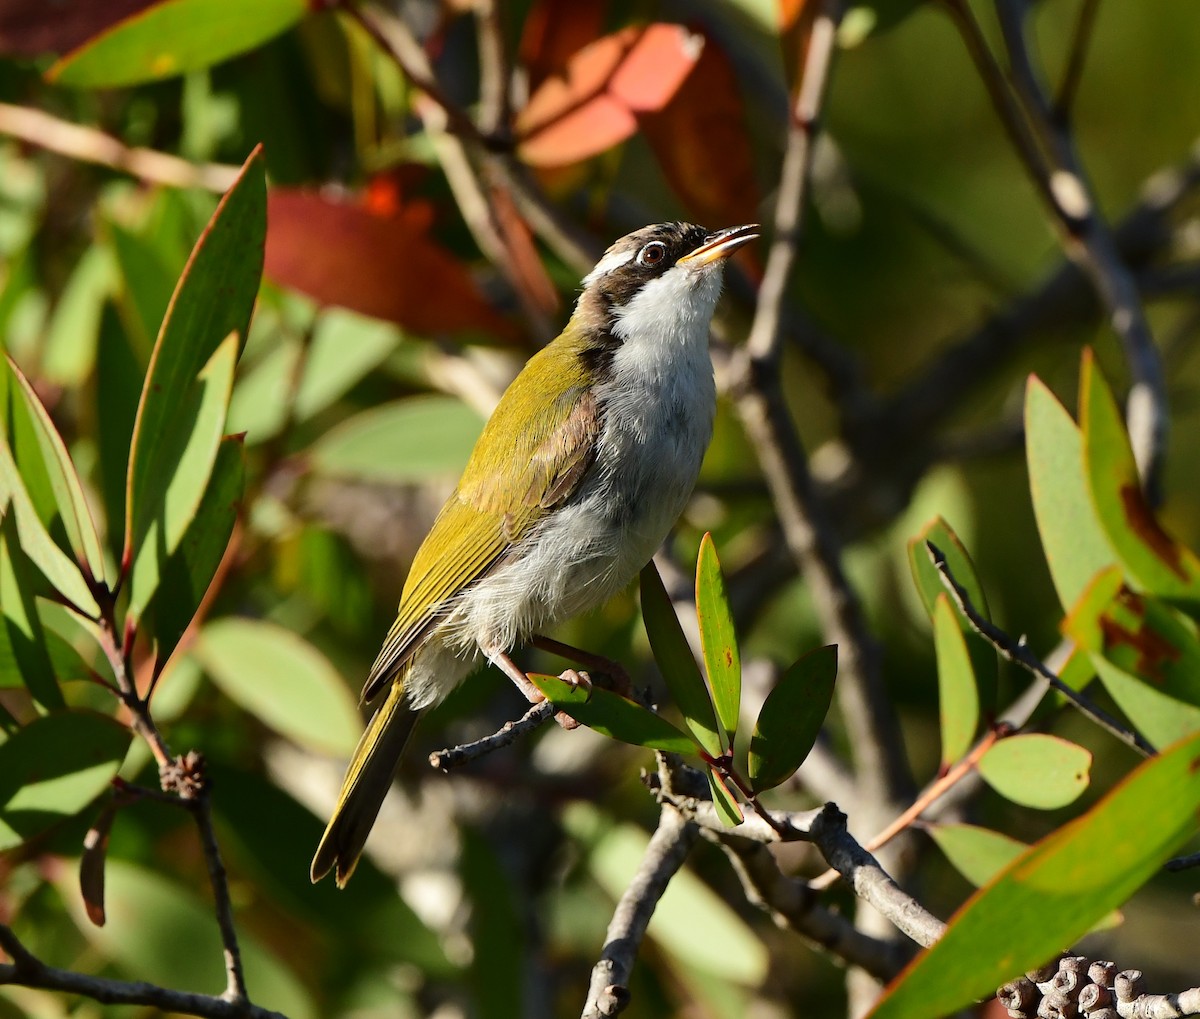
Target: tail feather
<point>372,768</point>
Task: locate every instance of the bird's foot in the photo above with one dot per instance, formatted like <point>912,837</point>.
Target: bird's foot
<point>608,674</point>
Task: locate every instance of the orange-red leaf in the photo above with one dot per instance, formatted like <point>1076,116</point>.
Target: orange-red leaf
<point>701,142</point>
<point>553,31</point>
<point>594,103</point>
<point>383,265</point>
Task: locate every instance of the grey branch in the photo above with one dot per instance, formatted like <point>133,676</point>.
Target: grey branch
<point>874,736</point>
<point>1018,652</point>
<point>608,992</point>
<point>794,905</point>
<point>1161,1006</point>
<point>28,971</point>
<point>869,880</point>
<point>510,732</point>
<point>1088,239</point>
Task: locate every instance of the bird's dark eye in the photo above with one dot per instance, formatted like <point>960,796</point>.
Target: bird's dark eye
<point>652,254</point>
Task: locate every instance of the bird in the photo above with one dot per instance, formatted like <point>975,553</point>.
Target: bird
<point>582,469</point>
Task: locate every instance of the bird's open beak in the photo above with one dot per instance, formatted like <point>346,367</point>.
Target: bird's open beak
<point>719,246</point>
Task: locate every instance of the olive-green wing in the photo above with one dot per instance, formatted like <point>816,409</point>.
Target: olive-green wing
<point>517,473</point>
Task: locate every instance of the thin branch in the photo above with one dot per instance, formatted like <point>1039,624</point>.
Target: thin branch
<point>185,777</point>
<point>89,145</point>
<point>1052,161</point>
<point>874,736</point>
<point>934,792</point>
<point>608,991</point>
<point>509,733</point>
<point>1062,299</point>
<point>793,905</point>
<point>869,881</point>
<point>1069,86</point>
<point>28,971</point>
<point>495,72</point>
<point>1183,863</point>
<point>1019,653</point>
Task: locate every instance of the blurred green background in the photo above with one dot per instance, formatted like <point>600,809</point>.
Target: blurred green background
<point>486,892</point>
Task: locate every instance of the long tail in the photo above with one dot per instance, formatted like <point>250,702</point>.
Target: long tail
<point>368,778</point>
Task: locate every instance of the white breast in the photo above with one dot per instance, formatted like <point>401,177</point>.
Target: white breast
<point>658,406</point>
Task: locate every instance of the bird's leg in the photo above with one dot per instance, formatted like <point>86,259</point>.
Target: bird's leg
<point>618,678</point>
<point>528,690</point>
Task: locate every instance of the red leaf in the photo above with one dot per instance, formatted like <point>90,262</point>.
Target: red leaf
<point>595,102</point>
<point>29,28</point>
<point>386,266</point>
<point>701,143</point>
<point>553,31</point>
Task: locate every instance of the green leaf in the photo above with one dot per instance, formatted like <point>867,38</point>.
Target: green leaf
<point>978,854</point>
<point>282,680</point>
<point>613,716</point>
<point>718,641</point>
<point>930,586</point>
<point>23,648</point>
<point>173,37</point>
<point>1057,891</point>
<point>1072,539</point>
<point>147,281</point>
<point>119,373</point>
<point>728,808</point>
<point>53,767</point>
<point>675,662</point>
<point>1036,770</point>
<point>345,348</point>
<point>190,569</point>
<point>213,300</point>
<point>1146,653</point>
<point>410,440</point>
<point>184,461</point>
<point>791,718</point>
<point>1155,561</point>
<point>958,696</point>
<point>68,351</point>
<point>55,566</point>
<point>25,411</point>
<point>162,932</point>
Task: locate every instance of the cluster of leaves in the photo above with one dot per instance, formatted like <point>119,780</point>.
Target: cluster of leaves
<point>788,721</point>
<point>1129,593</point>
<point>120,547</point>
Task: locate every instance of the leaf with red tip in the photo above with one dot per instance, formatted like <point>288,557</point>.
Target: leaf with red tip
<point>596,101</point>
<point>1155,560</point>
<point>385,266</point>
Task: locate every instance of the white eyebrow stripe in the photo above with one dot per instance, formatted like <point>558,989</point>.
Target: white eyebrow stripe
<point>613,260</point>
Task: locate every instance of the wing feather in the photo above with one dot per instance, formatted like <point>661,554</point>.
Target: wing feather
<point>528,461</point>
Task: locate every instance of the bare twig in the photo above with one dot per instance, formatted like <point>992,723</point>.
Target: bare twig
<point>1161,1006</point>
<point>185,777</point>
<point>28,971</point>
<point>869,881</point>
<point>89,145</point>
<point>1069,86</point>
<point>1047,148</point>
<point>510,732</point>
<point>874,739</point>
<point>608,992</point>
<point>793,905</point>
<point>934,792</point>
<point>1183,862</point>
<point>1019,653</point>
